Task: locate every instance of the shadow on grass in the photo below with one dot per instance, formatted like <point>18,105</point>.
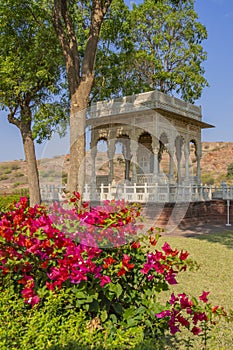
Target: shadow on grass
<point>225,238</point>
<point>165,343</point>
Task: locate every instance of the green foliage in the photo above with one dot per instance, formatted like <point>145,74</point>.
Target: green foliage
<point>54,325</point>
<point>64,178</point>
<point>207,179</point>
<point>230,170</point>
<point>60,291</point>
<point>3,177</point>
<point>30,70</point>
<point>6,201</point>
<point>15,167</point>
<point>157,46</point>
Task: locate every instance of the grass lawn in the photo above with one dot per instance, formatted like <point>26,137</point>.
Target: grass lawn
<point>214,255</point>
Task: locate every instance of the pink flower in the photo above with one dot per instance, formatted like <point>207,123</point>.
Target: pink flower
<point>204,295</point>
<point>105,280</point>
<point>163,314</point>
<point>184,301</point>
<point>183,321</point>
<point>173,299</point>
<point>199,316</point>
<point>196,330</point>
<point>170,278</point>
<point>168,250</point>
<point>33,300</point>
<point>174,329</point>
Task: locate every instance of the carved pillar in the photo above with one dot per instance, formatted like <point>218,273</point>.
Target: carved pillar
<point>156,149</point>
<point>93,157</point>
<point>127,156</point>
<point>171,165</point>
<point>179,145</point>
<point>134,159</point>
<point>186,157</point>
<point>198,170</point>
<point>111,153</point>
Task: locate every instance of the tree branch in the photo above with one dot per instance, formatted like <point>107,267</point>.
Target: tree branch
<point>99,10</point>
<point>64,28</point>
<point>11,117</point>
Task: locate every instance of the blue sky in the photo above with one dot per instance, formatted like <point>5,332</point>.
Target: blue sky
<point>216,101</point>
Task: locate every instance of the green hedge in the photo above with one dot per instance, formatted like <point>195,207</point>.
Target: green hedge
<point>7,200</point>
<point>53,326</point>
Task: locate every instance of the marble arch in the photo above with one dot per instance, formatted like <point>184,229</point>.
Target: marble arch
<point>148,124</point>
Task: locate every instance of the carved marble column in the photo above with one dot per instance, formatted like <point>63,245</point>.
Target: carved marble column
<point>198,169</point>
<point>186,157</point>
<point>179,146</point>
<point>156,148</point>
<point>134,158</point>
<point>127,157</point>
<point>111,153</point>
<point>93,173</point>
<point>171,165</point>
<point>93,157</point>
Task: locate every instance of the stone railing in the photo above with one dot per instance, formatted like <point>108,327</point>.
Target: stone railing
<point>143,193</point>
<point>52,193</point>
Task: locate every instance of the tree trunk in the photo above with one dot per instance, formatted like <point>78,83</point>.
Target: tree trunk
<point>79,104</point>
<point>80,75</point>
<point>32,170</point>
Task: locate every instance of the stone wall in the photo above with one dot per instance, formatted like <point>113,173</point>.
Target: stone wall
<point>212,212</point>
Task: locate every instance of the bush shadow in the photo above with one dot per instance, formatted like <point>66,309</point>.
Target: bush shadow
<point>224,238</point>
<point>165,343</point>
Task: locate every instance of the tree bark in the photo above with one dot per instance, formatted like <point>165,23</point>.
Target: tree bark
<point>32,169</point>
<point>80,77</point>
<point>79,104</point>
<point>24,125</point>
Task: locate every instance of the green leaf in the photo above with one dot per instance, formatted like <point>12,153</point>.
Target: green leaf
<point>116,288</point>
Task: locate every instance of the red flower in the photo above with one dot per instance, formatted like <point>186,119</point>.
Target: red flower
<point>214,309</point>
<point>153,241</point>
<point>121,272</point>
<point>108,261</point>
<point>136,245</point>
<point>125,262</point>
<point>183,255</point>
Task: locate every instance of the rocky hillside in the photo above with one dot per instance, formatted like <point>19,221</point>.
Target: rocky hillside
<point>216,157</point>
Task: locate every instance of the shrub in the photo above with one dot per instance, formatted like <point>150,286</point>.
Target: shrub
<point>3,177</point>
<point>207,179</point>
<point>54,326</point>
<point>19,175</point>
<point>15,167</point>
<point>111,274</point>
<point>7,171</point>
<point>7,200</point>
<point>230,170</point>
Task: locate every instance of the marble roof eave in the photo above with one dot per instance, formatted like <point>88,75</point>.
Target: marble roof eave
<point>120,118</point>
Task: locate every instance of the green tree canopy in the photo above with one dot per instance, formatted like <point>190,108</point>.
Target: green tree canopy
<point>30,65</point>
<point>159,47</point>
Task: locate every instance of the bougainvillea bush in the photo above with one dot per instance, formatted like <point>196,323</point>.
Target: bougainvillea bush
<point>97,257</point>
